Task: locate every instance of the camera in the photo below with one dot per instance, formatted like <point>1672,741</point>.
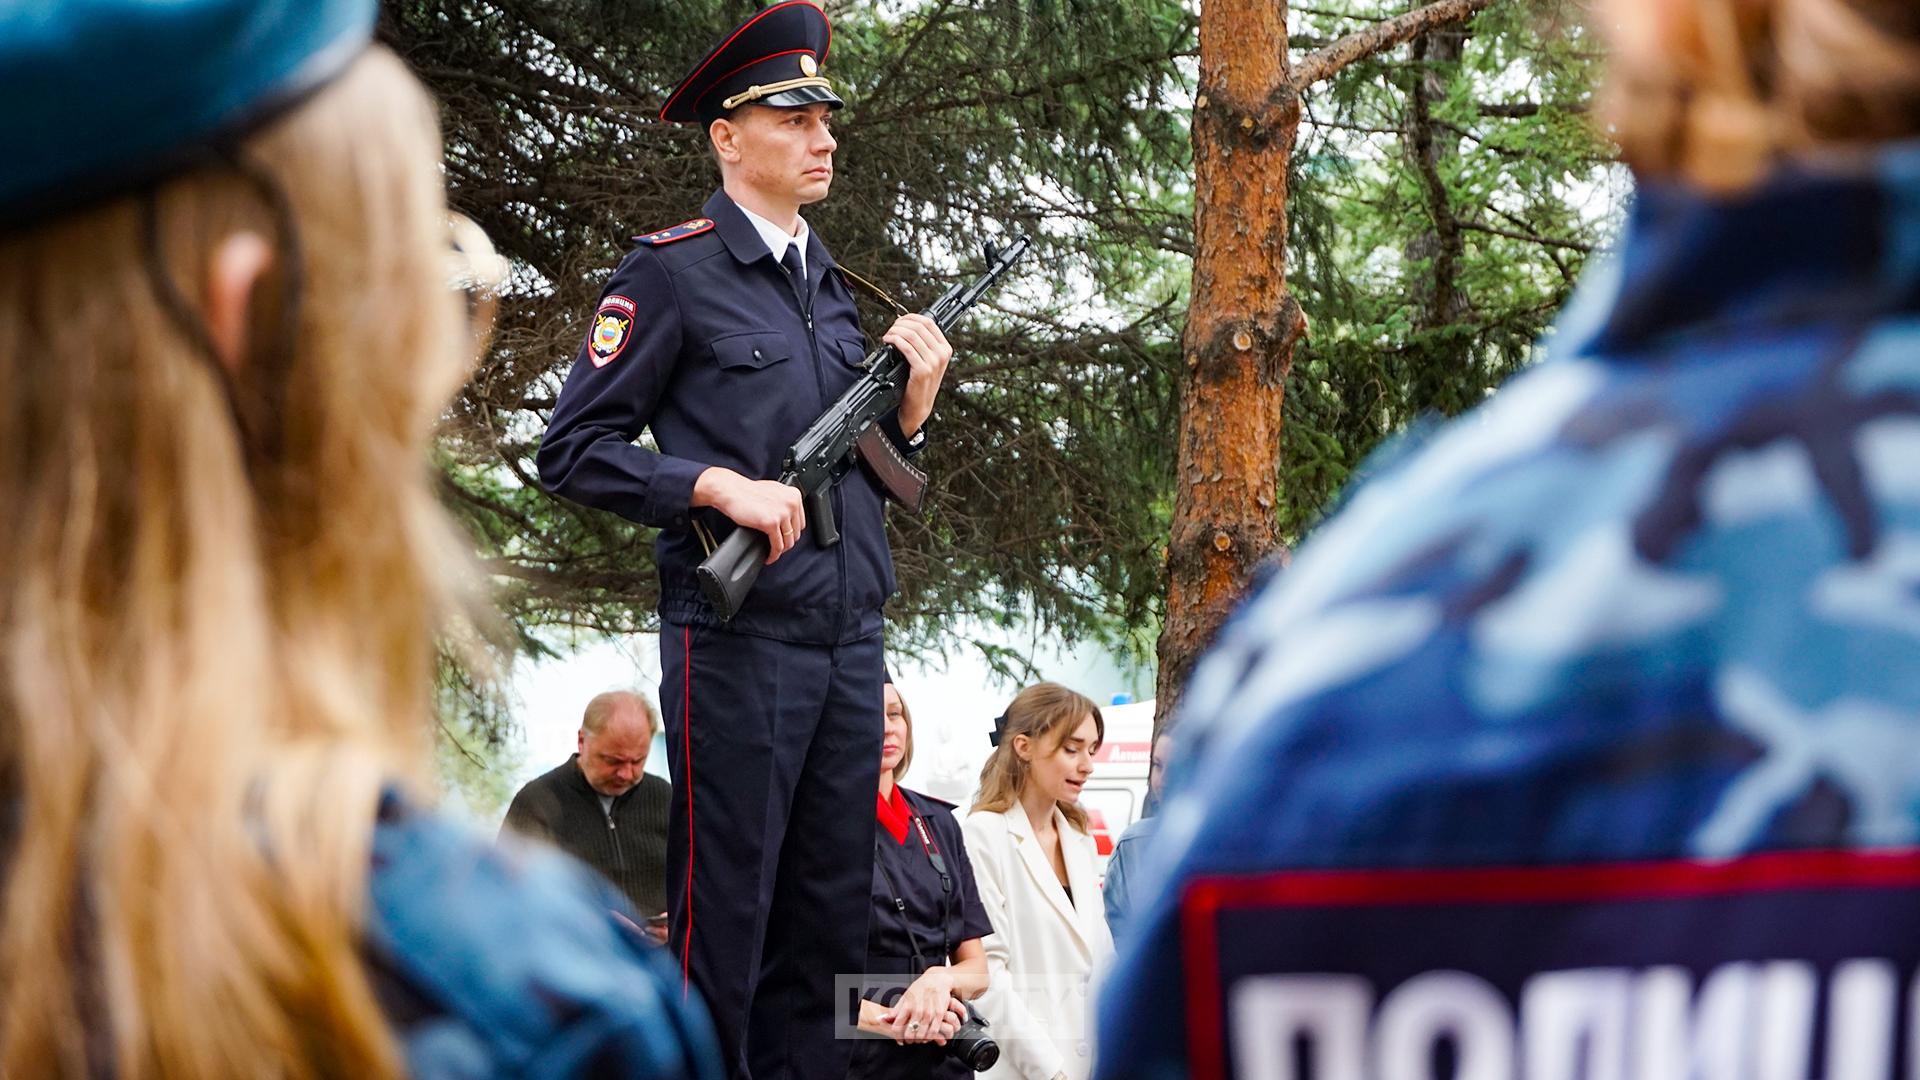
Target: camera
<point>971,1045</point>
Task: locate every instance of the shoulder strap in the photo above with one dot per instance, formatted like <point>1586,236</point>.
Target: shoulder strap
<point>678,232</point>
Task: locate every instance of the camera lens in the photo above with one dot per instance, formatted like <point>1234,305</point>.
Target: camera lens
<point>980,1054</point>
<point>972,1046</point>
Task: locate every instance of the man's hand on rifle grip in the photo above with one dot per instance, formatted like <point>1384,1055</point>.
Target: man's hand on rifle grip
<point>927,353</point>
<point>766,506</point>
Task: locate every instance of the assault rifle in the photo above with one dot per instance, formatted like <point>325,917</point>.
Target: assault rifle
<point>827,450</point>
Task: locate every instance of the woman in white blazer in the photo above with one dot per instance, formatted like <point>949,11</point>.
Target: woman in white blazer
<point>1034,861</point>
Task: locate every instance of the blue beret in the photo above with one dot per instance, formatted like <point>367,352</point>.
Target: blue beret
<point>774,58</point>
<point>102,97</point>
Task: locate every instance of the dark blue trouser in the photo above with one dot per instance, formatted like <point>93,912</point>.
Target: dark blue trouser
<point>775,755</point>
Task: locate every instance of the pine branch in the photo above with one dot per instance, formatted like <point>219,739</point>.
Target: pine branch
<point>1323,64</point>
<point>1094,73</point>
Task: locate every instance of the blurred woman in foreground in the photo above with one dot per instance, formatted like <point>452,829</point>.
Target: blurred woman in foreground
<point>226,330</point>
<point>1597,712</point>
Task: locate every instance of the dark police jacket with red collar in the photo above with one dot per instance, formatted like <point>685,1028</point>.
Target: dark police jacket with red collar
<point>700,336</point>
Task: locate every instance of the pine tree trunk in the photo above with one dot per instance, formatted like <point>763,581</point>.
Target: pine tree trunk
<point>1434,149</point>
<point>1240,330</point>
<point>1242,325</point>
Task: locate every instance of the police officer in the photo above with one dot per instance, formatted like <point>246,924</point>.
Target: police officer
<point>924,951</point>
<point>726,336</point>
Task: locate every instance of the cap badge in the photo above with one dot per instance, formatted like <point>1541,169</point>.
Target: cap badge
<point>808,66</point>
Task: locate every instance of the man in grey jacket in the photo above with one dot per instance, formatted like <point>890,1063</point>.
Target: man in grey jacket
<point>601,806</point>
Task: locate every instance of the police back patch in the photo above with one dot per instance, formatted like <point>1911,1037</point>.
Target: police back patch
<point>1782,965</point>
<point>612,327</point>
<point>678,232</point>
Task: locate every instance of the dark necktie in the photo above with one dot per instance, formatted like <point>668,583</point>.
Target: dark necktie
<point>796,274</point>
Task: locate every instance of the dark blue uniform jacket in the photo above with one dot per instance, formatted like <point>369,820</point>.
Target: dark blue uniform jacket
<point>934,917</point>
<point>700,336</point>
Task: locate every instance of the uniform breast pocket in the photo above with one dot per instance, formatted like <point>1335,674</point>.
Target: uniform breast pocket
<point>854,352</point>
<point>750,352</point>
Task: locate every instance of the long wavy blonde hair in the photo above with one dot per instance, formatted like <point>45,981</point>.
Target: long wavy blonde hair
<point>1046,713</point>
<point>1716,92</point>
<point>210,670</point>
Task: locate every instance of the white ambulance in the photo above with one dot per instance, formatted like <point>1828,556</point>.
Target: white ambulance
<point>1116,793</point>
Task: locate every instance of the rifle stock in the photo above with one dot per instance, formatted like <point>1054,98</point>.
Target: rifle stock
<point>729,573</point>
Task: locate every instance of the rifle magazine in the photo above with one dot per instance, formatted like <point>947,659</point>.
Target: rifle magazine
<point>891,470</point>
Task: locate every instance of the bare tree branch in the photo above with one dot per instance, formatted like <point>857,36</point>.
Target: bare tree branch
<point>1528,237</point>
<point>1521,110</point>
<point>1323,64</point>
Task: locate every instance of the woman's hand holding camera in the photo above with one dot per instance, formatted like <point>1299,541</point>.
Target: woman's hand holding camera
<point>928,1012</point>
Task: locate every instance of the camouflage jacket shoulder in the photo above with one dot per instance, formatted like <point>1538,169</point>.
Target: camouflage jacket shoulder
<point>508,961</point>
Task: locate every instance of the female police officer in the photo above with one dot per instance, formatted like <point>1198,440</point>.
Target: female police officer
<point>924,956</point>
<point>225,333</point>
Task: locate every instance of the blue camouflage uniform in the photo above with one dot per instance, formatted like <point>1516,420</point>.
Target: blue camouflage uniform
<point>1585,740</point>
<point>509,961</point>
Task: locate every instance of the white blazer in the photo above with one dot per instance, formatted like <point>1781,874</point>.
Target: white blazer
<point>1045,950</point>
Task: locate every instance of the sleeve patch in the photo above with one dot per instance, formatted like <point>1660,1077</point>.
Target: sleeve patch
<point>678,232</point>
<point>612,327</point>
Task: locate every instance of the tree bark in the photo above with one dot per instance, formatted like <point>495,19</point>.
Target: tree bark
<point>1243,323</point>
<point>1433,151</point>
<point>1240,328</point>
<point>1323,64</point>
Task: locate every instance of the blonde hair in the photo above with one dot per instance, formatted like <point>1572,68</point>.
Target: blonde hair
<point>602,707</point>
<point>906,750</point>
<point>1046,713</point>
<point>1716,92</point>
<point>211,668</point>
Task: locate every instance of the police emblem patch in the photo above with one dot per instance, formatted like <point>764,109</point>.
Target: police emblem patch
<point>612,326</point>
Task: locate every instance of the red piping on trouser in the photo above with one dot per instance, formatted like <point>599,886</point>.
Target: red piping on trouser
<point>686,739</point>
